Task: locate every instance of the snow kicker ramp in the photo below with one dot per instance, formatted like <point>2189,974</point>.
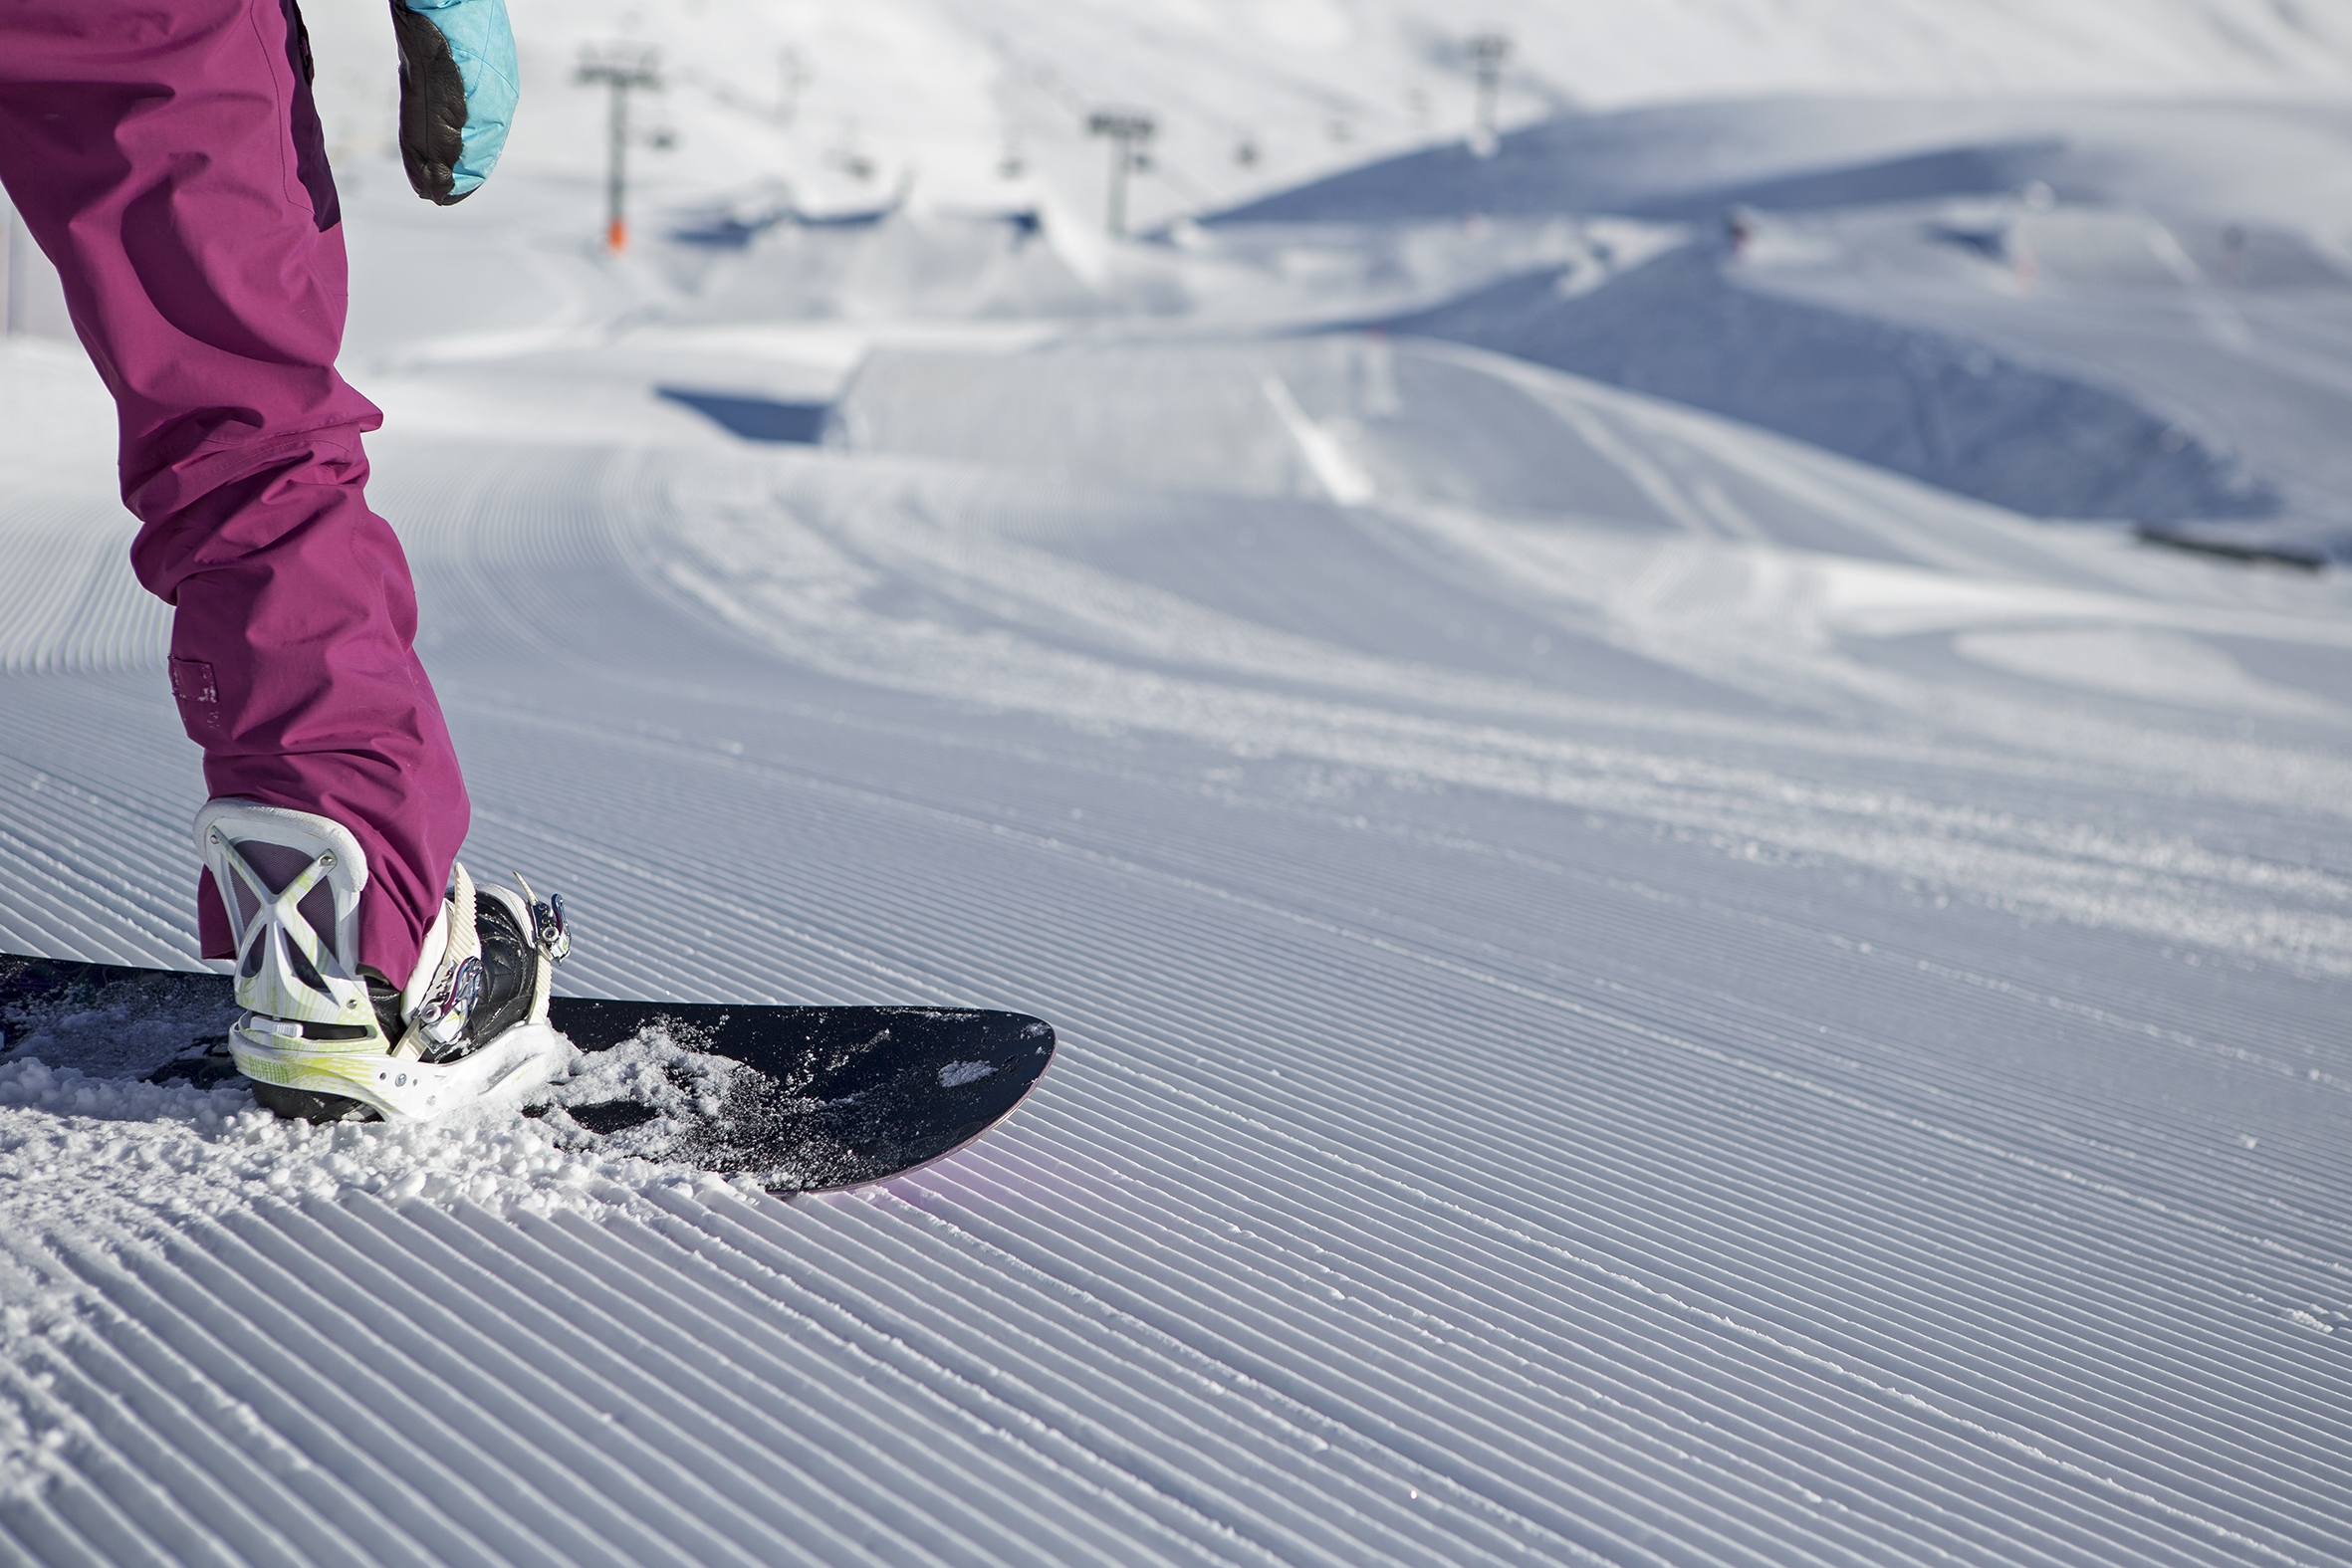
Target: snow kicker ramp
<point>2064,308</point>
<point>1581,1044</point>
<point>1939,408</point>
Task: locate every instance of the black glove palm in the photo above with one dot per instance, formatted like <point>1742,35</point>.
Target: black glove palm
<point>457,92</point>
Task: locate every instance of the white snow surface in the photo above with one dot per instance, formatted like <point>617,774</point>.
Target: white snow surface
<point>1630,989</point>
<point>982,104</point>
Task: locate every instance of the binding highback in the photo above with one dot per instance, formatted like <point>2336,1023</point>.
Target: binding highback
<point>290,882</point>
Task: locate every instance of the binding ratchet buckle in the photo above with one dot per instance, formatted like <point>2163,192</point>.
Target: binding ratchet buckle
<point>548,930</point>
<point>441,1018</point>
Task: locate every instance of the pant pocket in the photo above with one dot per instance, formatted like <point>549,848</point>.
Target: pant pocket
<point>198,696</point>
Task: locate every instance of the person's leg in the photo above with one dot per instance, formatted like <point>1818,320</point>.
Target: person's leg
<point>166,156</point>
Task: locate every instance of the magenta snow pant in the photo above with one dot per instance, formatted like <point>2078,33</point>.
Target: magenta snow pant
<point>166,156</point>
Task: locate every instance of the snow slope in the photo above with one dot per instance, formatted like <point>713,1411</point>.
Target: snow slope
<point>1788,1016</point>
<point>1632,989</point>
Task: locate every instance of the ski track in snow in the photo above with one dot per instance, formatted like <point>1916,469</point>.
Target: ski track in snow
<point>1777,1016</point>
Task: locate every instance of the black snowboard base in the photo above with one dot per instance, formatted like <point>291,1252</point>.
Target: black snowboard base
<point>797,1098</point>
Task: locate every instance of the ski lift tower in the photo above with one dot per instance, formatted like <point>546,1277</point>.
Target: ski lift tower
<point>1131,135</point>
<point>1488,52</point>
<point>625,70</point>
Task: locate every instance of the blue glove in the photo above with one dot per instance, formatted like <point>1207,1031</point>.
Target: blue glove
<point>457,92</point>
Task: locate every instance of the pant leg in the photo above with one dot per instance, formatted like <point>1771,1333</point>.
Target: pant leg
<point>166,156</point>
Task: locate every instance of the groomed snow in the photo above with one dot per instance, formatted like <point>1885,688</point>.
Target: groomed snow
<point>1630,989</point>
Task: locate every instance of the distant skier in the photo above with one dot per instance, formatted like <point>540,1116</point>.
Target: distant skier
<point>167,156</point>
<point>1739,227</point>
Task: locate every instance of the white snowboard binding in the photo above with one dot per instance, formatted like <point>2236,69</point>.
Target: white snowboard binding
<point>322,1038</point>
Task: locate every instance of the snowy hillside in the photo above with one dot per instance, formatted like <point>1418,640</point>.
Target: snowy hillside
<point>954,96</point>
<point>1653,967</point>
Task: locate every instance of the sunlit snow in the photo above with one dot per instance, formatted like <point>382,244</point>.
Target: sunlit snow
<point>1679,935</point>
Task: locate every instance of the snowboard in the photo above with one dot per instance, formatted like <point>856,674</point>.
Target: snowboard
<point>798,1098</point>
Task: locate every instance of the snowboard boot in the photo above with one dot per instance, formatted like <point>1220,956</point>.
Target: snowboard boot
<point>322,1037</point>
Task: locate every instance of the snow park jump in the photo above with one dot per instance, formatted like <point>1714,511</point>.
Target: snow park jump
<point>1266,782</point>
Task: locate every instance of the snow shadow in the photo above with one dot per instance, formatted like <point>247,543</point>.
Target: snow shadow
<point>758,418</point>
